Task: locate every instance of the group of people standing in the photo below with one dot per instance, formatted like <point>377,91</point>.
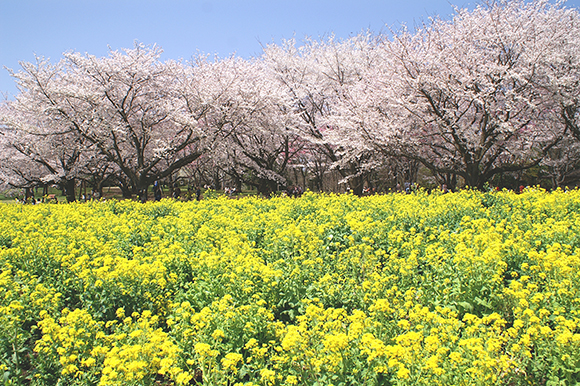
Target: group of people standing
<point>175,193</point>
<point>294,191</point>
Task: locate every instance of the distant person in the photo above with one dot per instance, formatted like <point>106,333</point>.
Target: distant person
<point>189,194</point>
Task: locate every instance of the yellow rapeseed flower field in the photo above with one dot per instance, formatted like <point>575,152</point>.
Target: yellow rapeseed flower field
<point>468,288</point>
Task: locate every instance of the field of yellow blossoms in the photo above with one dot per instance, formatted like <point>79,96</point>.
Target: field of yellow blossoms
<point>467,288</point>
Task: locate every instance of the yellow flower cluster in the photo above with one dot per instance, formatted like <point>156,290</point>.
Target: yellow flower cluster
<point>468,288</point>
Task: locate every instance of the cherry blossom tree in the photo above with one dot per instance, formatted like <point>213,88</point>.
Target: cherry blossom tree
<point>561,69</point>
<point>221,95</point>
<point>462,96</point>
<point>314,77</point>
<point>562,163</point>
<point>261,144</point>
<point>133,112</point>
<point>18,169</point>
<point>38,160</point>
<point>43,151</point>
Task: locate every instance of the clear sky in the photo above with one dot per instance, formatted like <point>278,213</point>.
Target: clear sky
<point>183,28</point>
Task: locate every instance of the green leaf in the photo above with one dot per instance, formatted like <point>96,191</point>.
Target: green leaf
<point>465,305</point>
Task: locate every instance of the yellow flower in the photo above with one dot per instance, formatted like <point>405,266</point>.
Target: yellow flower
<point>230,361</point>
<point>218,334</point>
<point>291,380</point>
<point>205,350</point>
<point>268,375</point>
<point>403,373</point>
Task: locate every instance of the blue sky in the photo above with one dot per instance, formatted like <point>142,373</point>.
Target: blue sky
<point>183,28</point>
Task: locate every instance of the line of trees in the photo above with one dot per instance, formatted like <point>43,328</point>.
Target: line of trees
<point>491,92</point>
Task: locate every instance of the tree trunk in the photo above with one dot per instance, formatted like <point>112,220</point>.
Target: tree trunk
<point>83,191</point>
<point>69,190</point>
<point>449,179</point>
<point>266,187</point>
<point>473,177</point>
<point>357,184</point>
<point>126,191</point>
<point>217,183</point>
